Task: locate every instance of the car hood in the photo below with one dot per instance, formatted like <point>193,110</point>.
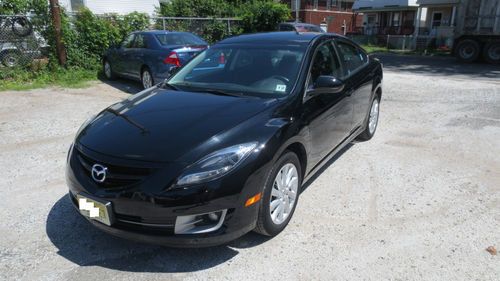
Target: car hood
<point>161,125</point>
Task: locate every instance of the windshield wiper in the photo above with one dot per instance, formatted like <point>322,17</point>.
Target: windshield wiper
<point>220,92</point>
<point>126,118</point>
<point>165,84</point>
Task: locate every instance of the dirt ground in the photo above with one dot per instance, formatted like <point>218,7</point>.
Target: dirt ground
<point>419,201</point>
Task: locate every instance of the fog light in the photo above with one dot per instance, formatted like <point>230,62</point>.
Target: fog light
<point>200,223</point>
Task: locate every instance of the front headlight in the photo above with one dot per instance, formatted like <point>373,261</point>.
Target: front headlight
<point>216,164</point>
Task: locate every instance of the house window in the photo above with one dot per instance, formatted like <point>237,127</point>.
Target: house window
<point>76,5</point>
<point>395,19</point>
<point>437,17</point>
<point>315,5</point>
<point>371,19</point>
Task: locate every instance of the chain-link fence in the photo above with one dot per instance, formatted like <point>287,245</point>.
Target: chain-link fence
<point>199,26</point>
<point>20,44</point>
<point>394,42</point>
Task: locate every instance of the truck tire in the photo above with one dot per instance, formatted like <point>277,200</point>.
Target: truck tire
<point>468,50</point>
<point>491,52</point>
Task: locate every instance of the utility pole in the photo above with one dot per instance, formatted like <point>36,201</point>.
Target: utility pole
<point>56,22</point>
<point>297,6</point>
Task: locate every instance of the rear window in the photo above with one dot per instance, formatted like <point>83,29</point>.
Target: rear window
<point>179,39</point>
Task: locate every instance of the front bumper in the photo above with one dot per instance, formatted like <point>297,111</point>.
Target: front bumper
<point>143,213</point>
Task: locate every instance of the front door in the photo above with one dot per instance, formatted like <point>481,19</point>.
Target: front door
<point>329,115</point>
<point>357,78</point>
<point>123,55</point>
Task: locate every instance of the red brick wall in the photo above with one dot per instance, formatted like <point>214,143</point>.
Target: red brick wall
<point>335,25</point>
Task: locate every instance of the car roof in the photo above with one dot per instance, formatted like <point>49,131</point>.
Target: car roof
<point>299,24</point>
<point>156,32</point>
<point>281,38</point>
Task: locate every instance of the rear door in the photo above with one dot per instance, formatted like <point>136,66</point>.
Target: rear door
<point>137,55</point>
<point>357,77</point>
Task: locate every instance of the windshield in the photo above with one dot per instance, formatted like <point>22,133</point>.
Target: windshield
<point>246,70</point>
<point>179,39</point>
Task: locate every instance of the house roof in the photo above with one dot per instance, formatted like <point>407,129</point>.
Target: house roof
<point>437,2</point>
<point>281,38</point>
<point>384,5</point>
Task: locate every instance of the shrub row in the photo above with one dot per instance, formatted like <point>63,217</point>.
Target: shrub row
<point>86,36</point>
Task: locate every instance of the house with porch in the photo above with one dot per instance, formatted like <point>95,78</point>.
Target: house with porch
<point>437,23</point>
<point>386,17</point>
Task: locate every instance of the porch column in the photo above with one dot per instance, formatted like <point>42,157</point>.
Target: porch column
<point>453,15</point>
<point>416,24</point>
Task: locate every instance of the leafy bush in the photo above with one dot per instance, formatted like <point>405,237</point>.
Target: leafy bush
<point>198,8</point>
<point>262,16</point>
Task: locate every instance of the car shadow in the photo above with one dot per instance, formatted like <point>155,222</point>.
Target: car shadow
<point>326,166</point>
<point>122,84</point>
<point>81,243</point>
<point>437,65</point>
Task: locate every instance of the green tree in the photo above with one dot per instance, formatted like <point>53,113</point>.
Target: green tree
<point>259,16</point>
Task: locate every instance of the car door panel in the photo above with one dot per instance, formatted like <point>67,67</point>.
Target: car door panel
<point>358,79</point>
<point>329,115</point>
<point>124,55</point>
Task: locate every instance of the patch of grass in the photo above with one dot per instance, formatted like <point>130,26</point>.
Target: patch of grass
<point>24,79</point>
<point>374,49</point>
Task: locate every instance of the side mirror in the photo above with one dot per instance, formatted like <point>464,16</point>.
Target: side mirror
<point>326,85</point>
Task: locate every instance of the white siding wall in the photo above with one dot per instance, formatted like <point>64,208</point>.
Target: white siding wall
<point>122,6</point>
<point>116,6</point>
<point>374,4</point>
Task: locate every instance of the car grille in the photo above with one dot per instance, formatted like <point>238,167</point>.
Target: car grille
<point>117,176</point>
<point>154,226</point>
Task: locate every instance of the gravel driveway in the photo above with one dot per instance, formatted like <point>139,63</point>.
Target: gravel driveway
<point>419,201</point>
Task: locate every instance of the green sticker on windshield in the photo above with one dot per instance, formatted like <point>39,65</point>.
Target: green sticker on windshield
<point>280,88</point>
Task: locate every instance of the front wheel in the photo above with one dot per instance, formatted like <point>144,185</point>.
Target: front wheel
<point>468,50</point>
<point>11,59</point>
<point>372,120</point>
<point>108,70</point>
<point>280,196</point>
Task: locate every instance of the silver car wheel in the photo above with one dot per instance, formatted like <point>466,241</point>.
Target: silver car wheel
<point>147,80</point>
<point>284,193</point>
<point>107,70</point>
<point>374,111</point>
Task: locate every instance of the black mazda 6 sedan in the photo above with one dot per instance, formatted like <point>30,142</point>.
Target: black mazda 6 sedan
<point>224,145</point>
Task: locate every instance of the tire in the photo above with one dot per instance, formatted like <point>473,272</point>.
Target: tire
<point>371,122</point>
<point>491,52</point>
<point>11,59</point>
<point>147,78</point>
<point>468,50</point>
<point>21,26</point>
<point>269,222</point>
<point>108,70</point>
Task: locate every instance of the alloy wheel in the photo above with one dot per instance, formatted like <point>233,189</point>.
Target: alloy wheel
<point>107,70</point>
<point>284,193</point>
<point>147,80</point>
<point>373,121</point>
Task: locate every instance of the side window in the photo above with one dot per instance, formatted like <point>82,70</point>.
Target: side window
<point>140,41</point>
<point>127,43</point>
<point>286,27</point>
<point>352,57</point>
<point>325,62</point>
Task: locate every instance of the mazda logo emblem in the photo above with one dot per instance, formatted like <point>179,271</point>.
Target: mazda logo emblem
<point>99,172</point>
